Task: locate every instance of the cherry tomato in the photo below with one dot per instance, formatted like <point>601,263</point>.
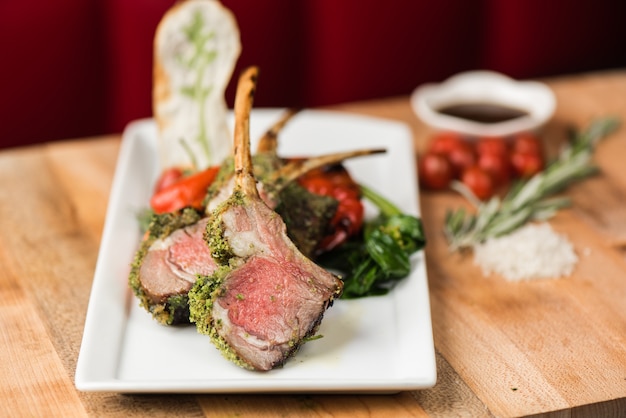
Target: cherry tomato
<point>492,145</point>
<point>526,143</point>
<point>444,142</point>
<point>497,166</point>
<point>479,182</point>
<point>462,157</point>
<point>526,164</point>
<point>435,171</point>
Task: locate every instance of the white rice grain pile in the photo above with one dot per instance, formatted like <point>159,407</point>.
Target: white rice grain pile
<point>533,251</point>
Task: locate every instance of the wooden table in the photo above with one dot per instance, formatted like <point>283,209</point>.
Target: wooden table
<point>549,347</point>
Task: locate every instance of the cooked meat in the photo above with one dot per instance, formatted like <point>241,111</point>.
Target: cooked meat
<point>306,214</point>
<point>168,262</point>
<point>172,263</point>
<point>166,265</point>
<point>267,298</point>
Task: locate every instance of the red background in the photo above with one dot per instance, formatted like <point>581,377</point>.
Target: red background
<point>72,68</point>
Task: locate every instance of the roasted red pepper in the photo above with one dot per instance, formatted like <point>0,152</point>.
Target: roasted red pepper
<point>172,194</point>
<point>335,181</point>
<point>168,177</point>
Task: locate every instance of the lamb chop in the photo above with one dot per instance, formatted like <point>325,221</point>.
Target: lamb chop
<point>266,298</point>
<point>174,253</point>
<point>167,263</point>
<point>306,214</point>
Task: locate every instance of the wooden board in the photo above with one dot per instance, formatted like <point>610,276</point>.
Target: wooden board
<point>554,347</point>
<point>546,345</point>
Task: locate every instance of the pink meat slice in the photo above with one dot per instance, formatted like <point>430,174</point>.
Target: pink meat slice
<point>277,297</point>
<point>171,265</point>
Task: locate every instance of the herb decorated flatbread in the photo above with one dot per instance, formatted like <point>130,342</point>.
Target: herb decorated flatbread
<point>196,47</point>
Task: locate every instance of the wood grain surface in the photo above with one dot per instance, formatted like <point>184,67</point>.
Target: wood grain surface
<point>539,348</point>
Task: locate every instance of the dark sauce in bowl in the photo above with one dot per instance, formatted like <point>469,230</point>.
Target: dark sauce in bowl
<point>482,112</point>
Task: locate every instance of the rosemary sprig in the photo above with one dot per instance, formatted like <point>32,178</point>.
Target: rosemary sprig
<point>528,200</point>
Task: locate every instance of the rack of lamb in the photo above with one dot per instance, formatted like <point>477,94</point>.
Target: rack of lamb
<point>266,298</point>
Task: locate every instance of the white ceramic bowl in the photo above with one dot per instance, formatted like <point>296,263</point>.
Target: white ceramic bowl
<point>534,99</point>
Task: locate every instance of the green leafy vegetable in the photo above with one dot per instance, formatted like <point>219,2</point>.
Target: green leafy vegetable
<point>372,264</point>
<point>529,200</point>
<point>144,217</point>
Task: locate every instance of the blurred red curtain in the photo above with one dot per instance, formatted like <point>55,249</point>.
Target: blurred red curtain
<point>76,68</point>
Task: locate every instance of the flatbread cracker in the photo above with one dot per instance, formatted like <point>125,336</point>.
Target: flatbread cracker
<point>196,46</point>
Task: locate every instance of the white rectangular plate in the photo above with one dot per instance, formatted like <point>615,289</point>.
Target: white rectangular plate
<point>377,344</point>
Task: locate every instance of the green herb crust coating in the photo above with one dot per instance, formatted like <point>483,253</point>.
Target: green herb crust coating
<point>214,233</point>
<point>306,215</point>
<point>201,297</point>
<point>174,309</point>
